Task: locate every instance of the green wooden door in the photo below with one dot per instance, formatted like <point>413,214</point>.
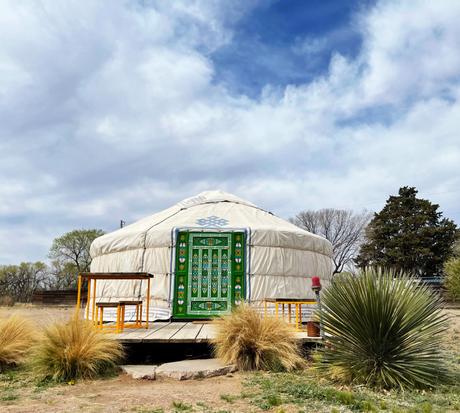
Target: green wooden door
<point>209,273</point>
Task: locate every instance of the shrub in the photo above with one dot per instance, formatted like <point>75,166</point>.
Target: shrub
<point>7,301</point>
<point>452,278</point>
<point>75,349</point>
<point>16,338</point>
<point>384,331</point>
<point>251,342</point>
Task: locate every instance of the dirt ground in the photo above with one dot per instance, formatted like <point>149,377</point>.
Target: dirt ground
<point>123,394</point>
<point>39,315</point>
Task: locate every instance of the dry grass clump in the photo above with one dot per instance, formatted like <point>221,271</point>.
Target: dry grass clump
<point>16,339</point>
<point>251,342</point>
<point>75,349</point>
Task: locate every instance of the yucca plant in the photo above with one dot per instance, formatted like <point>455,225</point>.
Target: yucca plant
<point>16,339</point>
<point>251,342</point>
<point>75,349</point>
<point>383,330</point>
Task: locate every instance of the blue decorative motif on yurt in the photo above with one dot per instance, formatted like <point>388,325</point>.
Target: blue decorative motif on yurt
<point>212,221</point>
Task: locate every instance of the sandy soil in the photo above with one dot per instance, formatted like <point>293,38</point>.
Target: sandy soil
<point>123,394</point>
<point>454,315</point>
<point>453,335</point>
<point>39,315</point>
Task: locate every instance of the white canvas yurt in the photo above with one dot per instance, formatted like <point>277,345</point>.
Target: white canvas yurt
<point>208,253</point>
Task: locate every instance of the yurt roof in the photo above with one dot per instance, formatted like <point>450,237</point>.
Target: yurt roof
<point>215,210</point>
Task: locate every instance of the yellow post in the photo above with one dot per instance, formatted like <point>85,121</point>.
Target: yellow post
<point>102,317</point>
<point>296,316</point>
<point>265,309</point>
<point>140,315</point>
<point>147,307</point>
<point>79,292</point>
<point>122,318</point>
<point>88,298</point>
<point>117,325</point>
<point>300,316</point>
<point>276,309</point>
<point>94,300</point>
<point>289,309</point>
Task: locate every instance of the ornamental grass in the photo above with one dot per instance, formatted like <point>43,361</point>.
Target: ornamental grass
<point>384,331</point>
<point>251,342</point>
<point>16,339</point>
<point>75,349</point>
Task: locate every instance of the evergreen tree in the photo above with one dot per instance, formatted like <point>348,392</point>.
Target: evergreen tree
<point>408,235</point>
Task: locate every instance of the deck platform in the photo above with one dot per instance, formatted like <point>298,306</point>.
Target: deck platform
<point>181,332</point>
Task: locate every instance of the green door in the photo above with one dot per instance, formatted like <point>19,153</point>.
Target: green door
<point>209,273</point>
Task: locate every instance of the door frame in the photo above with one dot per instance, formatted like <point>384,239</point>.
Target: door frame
<point>247,251</point>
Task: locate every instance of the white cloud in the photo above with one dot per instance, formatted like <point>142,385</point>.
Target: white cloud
<point>114,113</point>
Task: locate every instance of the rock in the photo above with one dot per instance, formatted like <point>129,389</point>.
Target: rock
<point>194,369</point>
<point>146,372</point>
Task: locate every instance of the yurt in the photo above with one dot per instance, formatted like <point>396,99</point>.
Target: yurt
<point>208,253</point>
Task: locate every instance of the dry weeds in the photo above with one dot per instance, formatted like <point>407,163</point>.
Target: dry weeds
<point>16,338</point>
<point>75,349</point>
<point>251,342</point>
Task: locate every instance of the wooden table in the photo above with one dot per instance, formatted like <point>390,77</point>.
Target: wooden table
<point>92,278</point>
<point>297,302</point>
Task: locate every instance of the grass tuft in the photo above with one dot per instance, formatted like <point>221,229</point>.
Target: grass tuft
<point>16,339</point>
<point>229,398</point>
<point>181,406</point>
<point>75,349</point>
<point>251,342</point>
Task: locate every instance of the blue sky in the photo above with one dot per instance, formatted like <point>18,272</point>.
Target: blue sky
<point>116,112</point>
<point>269,43</point>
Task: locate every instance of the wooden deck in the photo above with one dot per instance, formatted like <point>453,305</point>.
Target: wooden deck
<point>181,332</point>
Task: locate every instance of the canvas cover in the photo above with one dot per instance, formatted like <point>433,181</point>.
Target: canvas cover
<point>282,258</point>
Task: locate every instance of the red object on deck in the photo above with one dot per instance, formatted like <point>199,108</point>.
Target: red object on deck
<point>313,329</point>
<point>315,283</point>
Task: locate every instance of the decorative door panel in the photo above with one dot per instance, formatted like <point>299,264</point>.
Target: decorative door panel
<point>209,273</point>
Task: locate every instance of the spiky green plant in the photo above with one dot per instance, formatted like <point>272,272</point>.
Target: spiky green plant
<point>385,331</point>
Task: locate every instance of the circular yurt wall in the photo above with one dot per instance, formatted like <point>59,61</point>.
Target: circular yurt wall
<point>277,259</point>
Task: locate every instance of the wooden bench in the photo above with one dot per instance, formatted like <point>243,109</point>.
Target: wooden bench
<point>100,314</point>
<point>138,305</point>
<point>121,310</point>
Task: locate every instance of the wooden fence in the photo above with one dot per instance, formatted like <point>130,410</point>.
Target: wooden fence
<point>56,297</point>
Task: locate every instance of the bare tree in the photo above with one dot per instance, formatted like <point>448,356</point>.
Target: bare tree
<point>20,281</point>
<point>343,228</point>
<point>62,276</point>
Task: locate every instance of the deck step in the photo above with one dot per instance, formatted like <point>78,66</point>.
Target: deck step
<point>182,332</point>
